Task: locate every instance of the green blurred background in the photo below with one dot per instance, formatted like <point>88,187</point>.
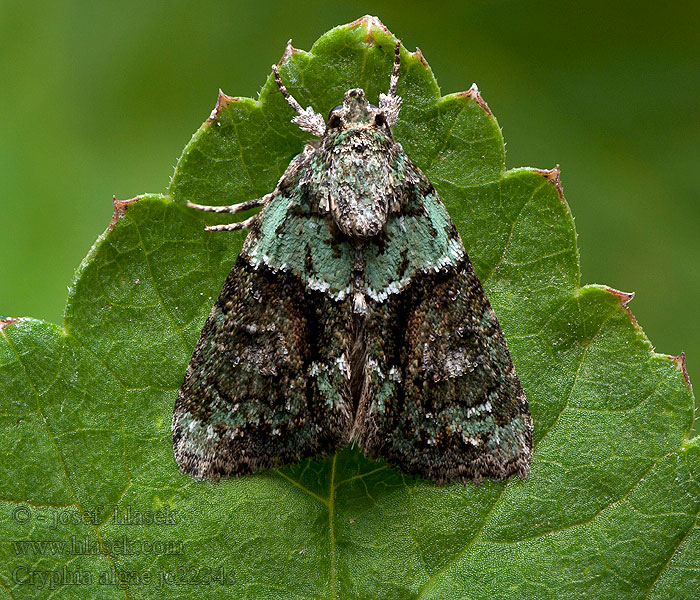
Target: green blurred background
<point>99,98</point>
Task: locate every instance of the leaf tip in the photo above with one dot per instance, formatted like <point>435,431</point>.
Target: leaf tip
<point>370,23</point>
<point>680,365</point>
<point>474,94</point>
<point>7,321</point>
<point>222,101</point>
<point>419,55</point>
<point>625,298</point>
<point>289,50</point>
<point>553,176</point>
<point>120,207</point>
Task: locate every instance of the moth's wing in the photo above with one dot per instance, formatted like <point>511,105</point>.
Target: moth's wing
<point>248,401</point>
<point>445,402</point>
<point>456,409</point>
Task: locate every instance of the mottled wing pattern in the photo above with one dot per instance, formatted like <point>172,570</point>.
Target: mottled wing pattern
<point>446,403</point>
<point>258,392</point>
<point>285,370</point>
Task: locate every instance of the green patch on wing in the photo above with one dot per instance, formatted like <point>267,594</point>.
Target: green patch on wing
<point>294,240</point>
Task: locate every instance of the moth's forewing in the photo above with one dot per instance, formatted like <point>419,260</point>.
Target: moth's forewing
<point>248,401</point>
<point>446,401</point>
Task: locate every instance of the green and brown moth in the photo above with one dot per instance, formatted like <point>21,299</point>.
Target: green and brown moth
<point>352,316</point>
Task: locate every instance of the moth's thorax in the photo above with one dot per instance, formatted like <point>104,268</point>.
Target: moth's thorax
<point>359,179</point>
<point>358,147</point>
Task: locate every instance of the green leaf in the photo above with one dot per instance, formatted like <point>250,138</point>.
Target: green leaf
<point>609,509</point>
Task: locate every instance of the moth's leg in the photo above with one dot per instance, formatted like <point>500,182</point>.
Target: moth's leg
<point>247,224</point>
<point>234,208</point>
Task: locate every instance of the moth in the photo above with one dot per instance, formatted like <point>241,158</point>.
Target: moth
<point>352,316</point>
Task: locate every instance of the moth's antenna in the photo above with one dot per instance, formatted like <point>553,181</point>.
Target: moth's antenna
<point>307,119</point>
<point>287,96</point>
<point>391,103</point>
<point>394,79</point>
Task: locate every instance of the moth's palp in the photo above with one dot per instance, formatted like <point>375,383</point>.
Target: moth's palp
<point>307,118</point>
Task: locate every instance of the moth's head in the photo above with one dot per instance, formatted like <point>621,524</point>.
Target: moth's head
<point>355,111</point>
